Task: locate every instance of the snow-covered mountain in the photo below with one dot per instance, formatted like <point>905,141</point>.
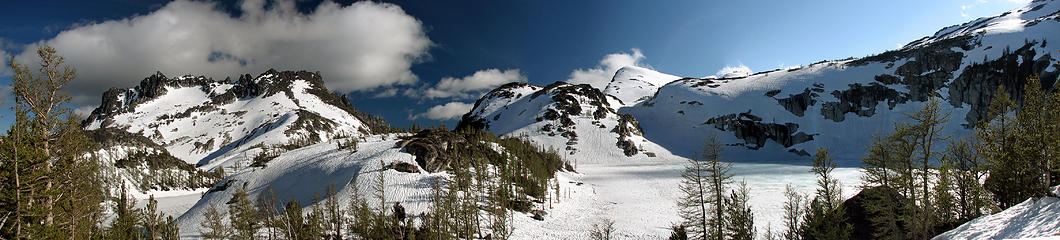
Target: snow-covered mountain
<point>634,84</point>
<point>783,114</point>
<point>225,123</point>
<point>578,120</point>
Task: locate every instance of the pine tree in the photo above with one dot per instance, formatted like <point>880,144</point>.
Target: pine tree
<point>718,179</point>
<point>704,187</point>
<point>694,202</point>
<point>214,226</point>
<point>293,220</point>
<point>794,210</point>
<point>825,218</point>
<point>127,220</point>
<point>42,96</point>
<point>243,215</point>
<point>154,223</point>
<point>739,218</point>
<point>969,169</point>
<point>1010,179</point>
<point>945,203</point>
<point>678,232</point>
<point>879,163</point>
<point>314,222</point>
<point>267,209</point>
<point>335,215</point>
<point>170,230</point>
<point>1032,138</point>
<point>53,190</point>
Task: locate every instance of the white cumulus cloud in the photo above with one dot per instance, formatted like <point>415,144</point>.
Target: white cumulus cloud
<point>469,86</point>
<point>734,71</point>
<point>447,111</point>
<point>363,46</point>
<point>601,75</point>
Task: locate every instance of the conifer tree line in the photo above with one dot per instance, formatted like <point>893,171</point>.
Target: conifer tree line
<point>918,181</point>
<point>476,201</point>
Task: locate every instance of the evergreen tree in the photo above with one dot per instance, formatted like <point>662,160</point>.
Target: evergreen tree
<point>704,186</point>
<point>794,210</point>
<point>170,231</point>
<point>825,218</point>
<point>678,232</point>
<point>50,189</point>
<point>879,163</point>
<point>314,222</point>
<point>335,215</point>
<point>927,127</point>
<point>154,223</point>
<point>1033,140</point>
<point>718,177</point>
<point>739,218</point>
<point>126,219</point>
<point>243,215</point>
<point>1010,180</point>
<point>214,225</point>
<point>945,202</point>
<point>293,220</point>
<point>969,170</point>
<point>267,209</point>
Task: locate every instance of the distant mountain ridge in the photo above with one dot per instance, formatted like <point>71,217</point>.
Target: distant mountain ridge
<point>785,114</point>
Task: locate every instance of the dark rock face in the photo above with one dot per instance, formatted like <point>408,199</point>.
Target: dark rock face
<point>627,126</point>
<point>403,167</point>
<point>861,100</point>
<point>755,133</point>
<point>879,202</point>
<point>978,82</point>
<point>797,103</point>
<point>433,148</point>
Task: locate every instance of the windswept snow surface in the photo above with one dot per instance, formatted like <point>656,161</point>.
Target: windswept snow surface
<point>634,84</point>
<point>307,172</point>
<point>1031,219</point>
<point>640,196</point>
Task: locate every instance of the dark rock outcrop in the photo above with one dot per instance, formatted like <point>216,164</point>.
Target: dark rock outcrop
<point>978,83</point>
<point>755,133</point>
<point>798,103</point>
<point>861,100</point>
<point>433,148</point>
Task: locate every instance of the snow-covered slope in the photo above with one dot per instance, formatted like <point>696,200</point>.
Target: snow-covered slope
<point>578,120</point>
<point>143,167</point>
<point>305,173</point>
<point>224,123</point>
<point>634,84</point>
<point>782,114</point>
<point>1034,218</point>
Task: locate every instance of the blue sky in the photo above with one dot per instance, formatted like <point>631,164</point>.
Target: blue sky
<point>543,40</point>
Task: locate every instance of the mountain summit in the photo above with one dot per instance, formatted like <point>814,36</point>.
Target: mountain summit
<point>220,123</point>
